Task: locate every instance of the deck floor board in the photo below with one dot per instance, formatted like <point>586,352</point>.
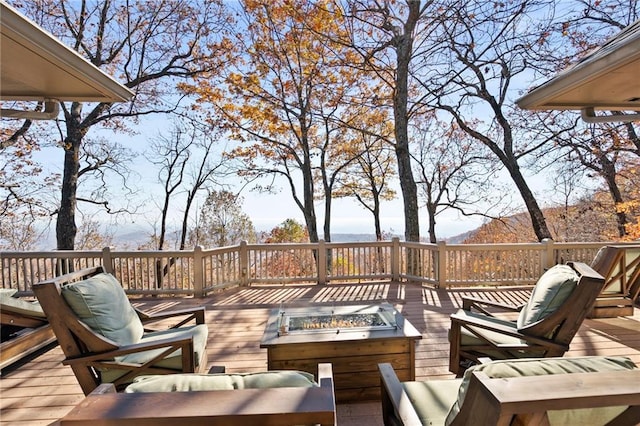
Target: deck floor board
<point>42,390</point>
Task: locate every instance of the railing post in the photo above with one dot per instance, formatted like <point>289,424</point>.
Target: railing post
<point>322,262</point>
<point>441,265</point>
<point>548,255</point>
<point>107,260</point>
<point>198,272</point>
<point>243,252</point>
<point>395,259</point>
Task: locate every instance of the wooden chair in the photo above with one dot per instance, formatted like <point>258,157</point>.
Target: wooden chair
<point>500,395</point>
<point>24,328</point>
<point>103,336</point>
<point>620,267</point>
<point>546,324</point>
<point>274,406</point>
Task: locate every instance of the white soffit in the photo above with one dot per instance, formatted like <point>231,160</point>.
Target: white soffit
<point>35,66</point>
<point>606,79</point>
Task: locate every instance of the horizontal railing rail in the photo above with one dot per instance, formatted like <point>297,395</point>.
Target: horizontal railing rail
<point>201,271</point>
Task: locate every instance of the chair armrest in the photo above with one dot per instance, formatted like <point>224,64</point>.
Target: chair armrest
<point>469,302</point>
<point>325,376</point>
<point>192,313</point>
<point>104,388</point>
<point>564,391</point>
<point>396,405</point>
<point>468,321</point>
<point>172,345</point>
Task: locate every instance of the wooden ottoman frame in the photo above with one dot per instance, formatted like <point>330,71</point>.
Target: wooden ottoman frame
<point>272,407</point>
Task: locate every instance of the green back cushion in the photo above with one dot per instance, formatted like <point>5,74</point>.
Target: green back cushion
<point>19,306</point>
<point>101,303</point>
<point>551,290</point>
<point>601,263</point>
<point>605,263</point>
<point>209,382</point>
<point>541,367</point>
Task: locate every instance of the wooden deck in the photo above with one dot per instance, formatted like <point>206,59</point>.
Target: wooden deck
<point>42,390</point>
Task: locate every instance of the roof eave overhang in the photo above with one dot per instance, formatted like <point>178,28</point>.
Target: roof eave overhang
<point>22,39</point>
<point>605,80</point>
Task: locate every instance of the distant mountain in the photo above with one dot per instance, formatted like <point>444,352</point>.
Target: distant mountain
<point>352,238</point>
<point>459,239</point>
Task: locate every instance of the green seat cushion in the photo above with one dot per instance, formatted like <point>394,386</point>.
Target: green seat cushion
<point>432,399</point>
<point>173,361</point>
<point>468,338</point>
<point>101,303</point>
<point>210,382</point>
<point>549,293</point>
<point>546,366</point>
<point>19,306</point>
<point>7,292</point>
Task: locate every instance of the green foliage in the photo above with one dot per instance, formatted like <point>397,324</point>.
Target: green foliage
<point>289,231</point>
<point>222,222</point>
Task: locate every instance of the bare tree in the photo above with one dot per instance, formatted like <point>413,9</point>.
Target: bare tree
<point>485,47</point>
<point>603,151</point>
<point>146,47</point>
<point>279,101</point>
<point>453,172</point>
<point>367,179</point>
<point>387,36</point>
<point>187,163</point>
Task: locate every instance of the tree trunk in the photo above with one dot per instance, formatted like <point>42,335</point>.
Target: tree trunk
<point>66,227</point>
<point>309,209</point>
<point>404,47</point>
<point>405,174</point>
<point>537,218</point>
<point>609,175</point>
<point>403,43</point>
<point>327,227</point>
<point>431,212</point>
<point>376,219</point>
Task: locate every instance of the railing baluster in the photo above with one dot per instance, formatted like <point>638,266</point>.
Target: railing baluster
<point>439,264</point>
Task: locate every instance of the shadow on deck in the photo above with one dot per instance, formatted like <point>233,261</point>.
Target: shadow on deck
<point>41,390</point>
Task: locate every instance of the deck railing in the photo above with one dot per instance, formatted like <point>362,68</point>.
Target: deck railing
<point>201,271</point>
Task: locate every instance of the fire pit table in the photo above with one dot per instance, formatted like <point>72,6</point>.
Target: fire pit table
<point>354,339</point>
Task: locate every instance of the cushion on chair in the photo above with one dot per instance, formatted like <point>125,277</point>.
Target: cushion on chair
<point>602,263</point>
<point>7,292</point>
<point>209,382</point>
<point>546,366</point>
<point>432,399</point>
<point>19,306</point>
<point>467,338</point>
<point>606,263</point>
<point>551,290</point>
<point>101,303</point>
<point>174,360</point>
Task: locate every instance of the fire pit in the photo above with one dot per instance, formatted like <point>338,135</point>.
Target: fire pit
<point>353,338</point>
<point>378,319</point>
